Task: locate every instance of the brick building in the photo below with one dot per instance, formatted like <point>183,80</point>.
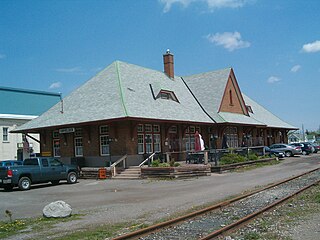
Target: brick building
<point>128,109</point>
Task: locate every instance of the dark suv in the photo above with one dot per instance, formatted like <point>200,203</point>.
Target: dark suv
<point>305,147</point>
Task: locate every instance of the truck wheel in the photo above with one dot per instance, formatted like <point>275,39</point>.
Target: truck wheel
<point>24,183</point>
<point>72,177</point>
<point>55,182</point>
<point>8,187</point>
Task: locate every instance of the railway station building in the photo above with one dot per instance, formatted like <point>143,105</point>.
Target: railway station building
<point>135,111</point>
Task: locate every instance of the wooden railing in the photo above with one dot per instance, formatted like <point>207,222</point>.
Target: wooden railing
<point>148,158</point>
<point>113,166</point>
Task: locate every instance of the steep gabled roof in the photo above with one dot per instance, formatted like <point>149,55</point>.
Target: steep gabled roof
<point>208,88</point>
<point>123,90</point>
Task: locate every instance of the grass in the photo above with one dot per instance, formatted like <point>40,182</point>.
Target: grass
<point>17,226</point>
<point>256,165</point>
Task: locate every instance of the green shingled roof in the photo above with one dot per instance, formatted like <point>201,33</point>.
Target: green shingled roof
<point>26,102</point>
<point>124,90</point>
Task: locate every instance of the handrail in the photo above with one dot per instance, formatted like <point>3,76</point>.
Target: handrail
<point>113,166</point>
<point>147,159</point>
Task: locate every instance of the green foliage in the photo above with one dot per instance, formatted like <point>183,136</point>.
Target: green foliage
<point>7,228</point>
<point>253,157</point>
<point>155,163</point>
<point>231,158</point>
<point>164,165</point>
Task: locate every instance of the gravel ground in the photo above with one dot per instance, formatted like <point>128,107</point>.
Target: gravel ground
<point>139,202</point>
<point>295,220</point>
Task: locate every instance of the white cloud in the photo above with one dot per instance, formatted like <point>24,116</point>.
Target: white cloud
<point>295,68</point>
<point>228,40</point>
<point>311,47</point>
<point>273,79</point>
<point>2,56</point>
<point>70,70</point>
<point>212,4</point>
<point>55,85</point>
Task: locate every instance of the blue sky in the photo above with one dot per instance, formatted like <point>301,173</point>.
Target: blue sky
<point>273,45</point>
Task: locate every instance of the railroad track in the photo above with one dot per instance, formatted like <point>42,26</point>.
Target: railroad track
<point>216,220</point>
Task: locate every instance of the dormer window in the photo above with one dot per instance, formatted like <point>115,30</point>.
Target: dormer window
<point>249,108</point>
<point>168,95</point>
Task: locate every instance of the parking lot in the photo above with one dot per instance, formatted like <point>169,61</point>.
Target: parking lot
<point>110,201</point>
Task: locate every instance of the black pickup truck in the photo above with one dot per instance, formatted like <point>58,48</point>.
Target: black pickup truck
<point>37,170</point>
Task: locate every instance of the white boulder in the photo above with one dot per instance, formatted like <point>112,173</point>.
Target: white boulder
<point>58,209</point>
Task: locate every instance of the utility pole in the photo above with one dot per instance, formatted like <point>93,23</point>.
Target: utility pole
<point>303,136</point>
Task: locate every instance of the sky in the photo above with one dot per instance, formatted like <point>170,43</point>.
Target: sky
<point>272,45</point>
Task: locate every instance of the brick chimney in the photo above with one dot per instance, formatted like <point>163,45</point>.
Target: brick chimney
<point>168,64</point>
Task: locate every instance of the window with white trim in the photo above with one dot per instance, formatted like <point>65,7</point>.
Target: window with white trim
<point>104,145</point>
<point>78,147</point>
<point>56,148</point>
<point>78,132</point>
<point>156,143</point>
<point>149,138</point>
<point>55,134</point>
<point>140,143</point>
<point>5,134</point>
<point>104,129</point>
<point>189,137</point>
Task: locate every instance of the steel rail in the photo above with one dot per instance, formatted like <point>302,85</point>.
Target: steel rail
<point>159,226</point>
<point>255,214</point>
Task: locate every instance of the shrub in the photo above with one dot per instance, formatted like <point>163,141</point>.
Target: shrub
<point>253,156</point>
<point>232,158</point>
<point>164,165</point>
<point>155,163</point>
<point>176,164</point>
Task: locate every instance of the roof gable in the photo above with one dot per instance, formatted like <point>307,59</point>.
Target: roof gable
<point>232,100</point>
<point>208,89</point>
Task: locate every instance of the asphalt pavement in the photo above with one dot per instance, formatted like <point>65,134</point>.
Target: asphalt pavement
<point>119,200</point>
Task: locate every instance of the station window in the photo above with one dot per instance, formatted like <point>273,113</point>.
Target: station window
<point>189,137</point>
<point>5,134</point>
<point>104,145</point>
<point>78,132</point>
<point>104,129</point>
<point>56,148</point>
<point>55,134</point>
<point>78,147</point>
<point>149,138</point>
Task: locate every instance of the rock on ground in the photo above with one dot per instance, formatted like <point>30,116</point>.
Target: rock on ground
<point>58,209</point>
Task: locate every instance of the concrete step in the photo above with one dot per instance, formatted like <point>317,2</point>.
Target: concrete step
<point>129,173</point>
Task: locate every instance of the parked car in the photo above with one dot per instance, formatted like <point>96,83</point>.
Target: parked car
<point>273,152</point>
<point>305,147</point>
<point>288,150</point>
<point>316,147</point>
<point>37,170</point>
<point>6,163</point>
